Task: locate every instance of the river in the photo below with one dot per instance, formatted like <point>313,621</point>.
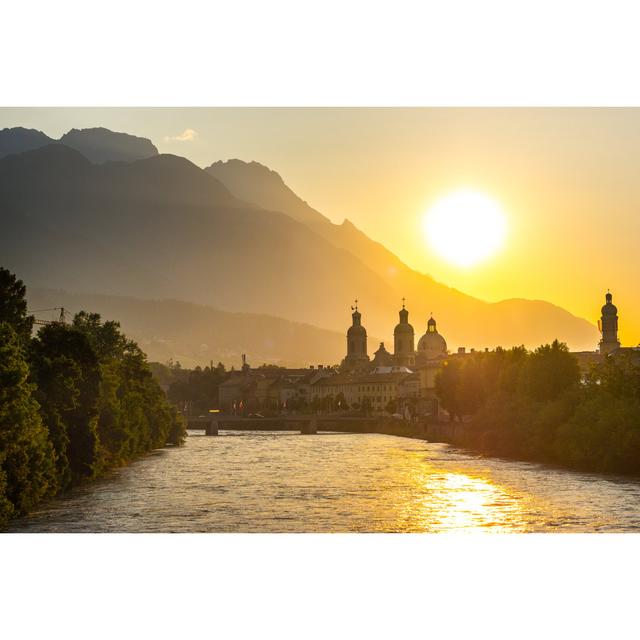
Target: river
<point>286,482</point>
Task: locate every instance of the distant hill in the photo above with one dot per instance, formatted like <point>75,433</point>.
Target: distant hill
<point>196,334</point>
<point>162,228</point>
<point>97,145</point>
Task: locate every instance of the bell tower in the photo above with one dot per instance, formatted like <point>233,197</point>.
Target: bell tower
<point>609,326</point>
<point>357,357</point>
<point>404,340</point>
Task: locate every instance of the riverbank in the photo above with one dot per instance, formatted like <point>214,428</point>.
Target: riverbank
<point>475,438</point>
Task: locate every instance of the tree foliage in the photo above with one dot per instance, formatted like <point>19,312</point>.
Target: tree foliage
<point>74,401</point>
<point>534,406</point>
<point>27,468</point>
<point>13,305</point>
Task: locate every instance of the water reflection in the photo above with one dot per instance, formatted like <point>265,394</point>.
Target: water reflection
<point>338,482</point>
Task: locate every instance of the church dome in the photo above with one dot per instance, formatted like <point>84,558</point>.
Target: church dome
<point>431,345</point>
<point>356,330</point>
<point>403,328</point>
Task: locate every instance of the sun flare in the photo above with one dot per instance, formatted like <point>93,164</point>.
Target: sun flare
<point>465,227</point>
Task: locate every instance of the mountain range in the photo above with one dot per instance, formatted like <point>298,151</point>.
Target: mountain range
<point>96,144</point>
<point>233,237</point>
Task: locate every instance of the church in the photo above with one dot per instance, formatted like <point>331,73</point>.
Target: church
<point>403,380</point>
<point>432,347</point>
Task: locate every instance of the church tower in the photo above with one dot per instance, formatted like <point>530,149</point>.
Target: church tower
<point>403,341</point>
<point>357,358</point>
<point>609,327</point>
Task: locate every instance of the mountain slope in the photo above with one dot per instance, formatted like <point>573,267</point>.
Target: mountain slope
<point>464,320</point>
<point>195,334</point>
<point>164,228</point>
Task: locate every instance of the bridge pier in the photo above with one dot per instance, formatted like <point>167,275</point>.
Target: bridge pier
<point>310,427</point>
<point>212,428</point>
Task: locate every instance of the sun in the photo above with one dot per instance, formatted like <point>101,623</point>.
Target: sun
<point>465,227</point>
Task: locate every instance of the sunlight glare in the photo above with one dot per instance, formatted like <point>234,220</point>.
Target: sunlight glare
<point>465,227</point>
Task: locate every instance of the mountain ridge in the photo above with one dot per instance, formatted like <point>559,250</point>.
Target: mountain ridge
<point>97,144</point>
<point>161,227</point>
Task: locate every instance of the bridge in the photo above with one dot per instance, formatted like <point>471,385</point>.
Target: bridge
<point>312,424</point>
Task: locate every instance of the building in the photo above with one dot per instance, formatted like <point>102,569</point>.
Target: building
<point>608,326</point>
<point>609,345</point>
<point>400,382</point>
<point>356,359</point>
<point>403,340</point>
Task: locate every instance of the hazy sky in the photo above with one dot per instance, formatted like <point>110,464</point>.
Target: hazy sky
<point>568,180</point>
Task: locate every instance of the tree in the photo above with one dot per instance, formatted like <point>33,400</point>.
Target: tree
<point>549,372</point>
<point>13,305</point>
<point>66,371</point>
<point>27,470</point>
<point>134,414</point>
<point>447,384</point>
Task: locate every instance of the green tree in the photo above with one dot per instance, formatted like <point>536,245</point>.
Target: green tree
<point>549,372</point>
<point>447,384</point>
<point>13,305</point>
<point>66,371</point>
<point>27,470</point>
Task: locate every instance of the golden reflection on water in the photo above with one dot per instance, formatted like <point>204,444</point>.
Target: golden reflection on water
<point>441,500</point>
<point>467,503</point>
<point>262,482</point>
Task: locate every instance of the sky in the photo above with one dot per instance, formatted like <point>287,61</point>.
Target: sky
<point>566,179</point>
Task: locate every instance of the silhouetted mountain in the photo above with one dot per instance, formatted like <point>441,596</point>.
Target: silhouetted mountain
<point>195,334</point>
<point>102,145</point>
<point>464,320</point>
<point>97,145</point>
<point>19,139</point>
<point>163,228</point>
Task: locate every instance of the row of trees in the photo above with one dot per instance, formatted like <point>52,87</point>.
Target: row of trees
<point>536,406</point>
<point>74,401</point>
<point>193,391</point>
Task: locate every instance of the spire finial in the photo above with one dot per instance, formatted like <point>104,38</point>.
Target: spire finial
<point>356,305</point>
<point>403,303</point>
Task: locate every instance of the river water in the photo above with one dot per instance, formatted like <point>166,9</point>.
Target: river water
<point>282,481</point>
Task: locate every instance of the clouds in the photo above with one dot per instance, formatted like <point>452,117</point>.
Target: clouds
<point>188,135</point>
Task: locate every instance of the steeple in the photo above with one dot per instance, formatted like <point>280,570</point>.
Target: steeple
<point>357,357</point>
<point>403,340</point>
<point>609,326</point>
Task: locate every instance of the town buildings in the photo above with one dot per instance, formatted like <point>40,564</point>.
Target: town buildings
<point>401,383</point>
